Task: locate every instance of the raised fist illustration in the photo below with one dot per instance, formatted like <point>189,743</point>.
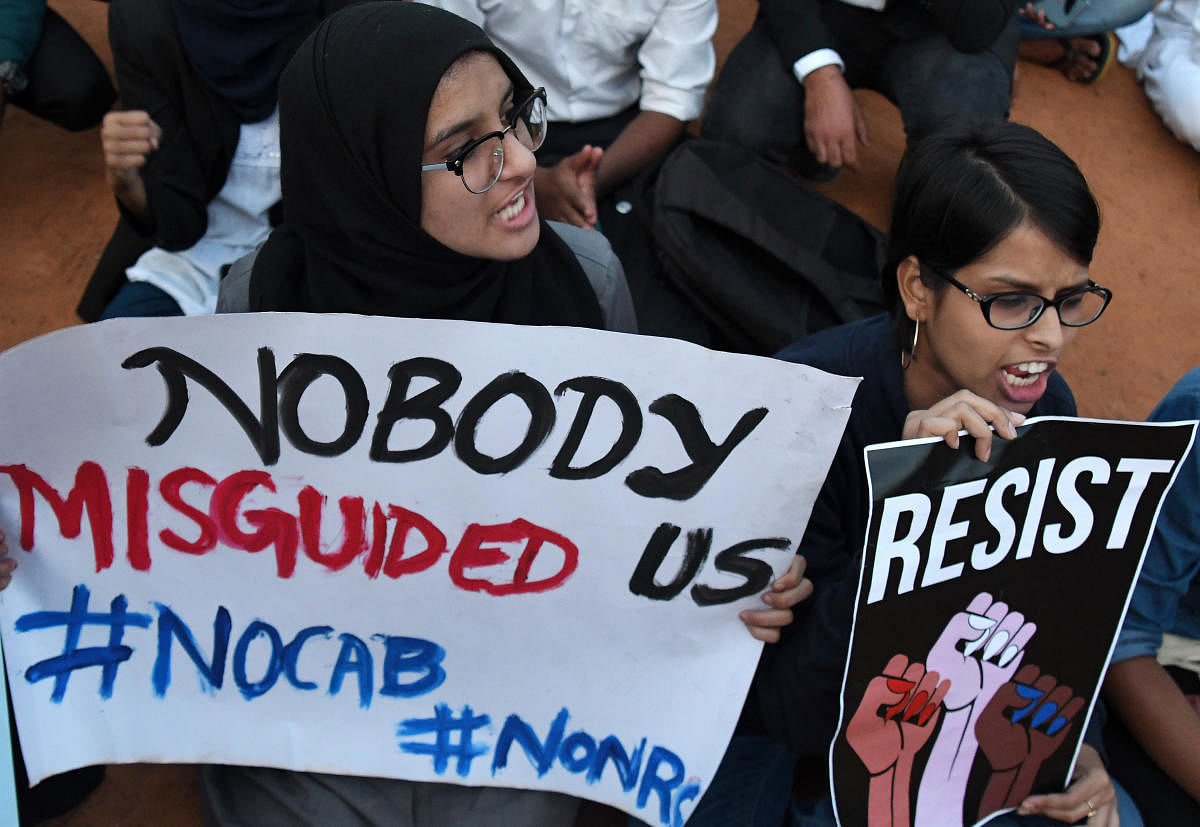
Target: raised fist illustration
<point>979,650</point>
<point>898,712</point>
<point>1026,721</point>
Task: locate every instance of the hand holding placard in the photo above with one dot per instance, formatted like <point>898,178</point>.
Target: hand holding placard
<point>1057,518</point>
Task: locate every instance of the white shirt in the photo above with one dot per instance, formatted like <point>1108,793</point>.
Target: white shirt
<point>237,223</point>
<point>597,57</point>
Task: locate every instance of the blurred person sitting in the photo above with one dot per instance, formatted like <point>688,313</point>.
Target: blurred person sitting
<point>193,159</point>
<point>1153,684</point>
<point>1083,47</point>
<point>785,91</point>
<point>47,69</point>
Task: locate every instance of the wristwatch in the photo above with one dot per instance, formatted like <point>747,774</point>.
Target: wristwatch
<point>13,77</point>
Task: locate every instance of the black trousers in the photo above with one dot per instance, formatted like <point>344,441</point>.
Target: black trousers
<point>564,138</point>
<point>758,104</point>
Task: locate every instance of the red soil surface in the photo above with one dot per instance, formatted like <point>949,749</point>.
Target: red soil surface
<point>58,213</point>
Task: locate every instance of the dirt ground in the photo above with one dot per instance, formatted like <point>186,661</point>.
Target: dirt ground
<point>57,215</point>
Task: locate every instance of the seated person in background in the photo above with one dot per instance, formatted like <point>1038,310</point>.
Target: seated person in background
<point>1152,686</point>
<point>47,69</point>
<point>992,234</point>
<point>193,158</point>
<point>1084,47</point>
<point>785,90</point>
<point>622,79</point>
<point>1164,49</point>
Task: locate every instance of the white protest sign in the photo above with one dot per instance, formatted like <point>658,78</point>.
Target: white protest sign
<point>482,554</point>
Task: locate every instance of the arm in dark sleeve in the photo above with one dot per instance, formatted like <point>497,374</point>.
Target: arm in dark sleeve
<point>972,25</point>
<point>144,56</point>
<point>795,26</point>
<point>799,680</point>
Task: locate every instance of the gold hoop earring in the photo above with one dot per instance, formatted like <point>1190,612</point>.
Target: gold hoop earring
<point>907,358</point>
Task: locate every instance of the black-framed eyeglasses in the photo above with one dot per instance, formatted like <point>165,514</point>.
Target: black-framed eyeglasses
<point>480,162</point>
<point>1015,310</point>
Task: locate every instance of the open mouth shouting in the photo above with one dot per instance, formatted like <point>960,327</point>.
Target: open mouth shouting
<point>1025,382</point>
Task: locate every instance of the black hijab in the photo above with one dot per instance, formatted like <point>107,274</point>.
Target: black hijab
<point>353,106</point>
<point>239,47</point>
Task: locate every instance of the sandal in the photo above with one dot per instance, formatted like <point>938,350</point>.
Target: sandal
<point>1108,52</point>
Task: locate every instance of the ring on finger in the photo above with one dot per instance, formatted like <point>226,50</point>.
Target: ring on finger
<point>1091,808</point>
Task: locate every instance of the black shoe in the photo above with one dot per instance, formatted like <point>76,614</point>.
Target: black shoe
<point>805,165</point>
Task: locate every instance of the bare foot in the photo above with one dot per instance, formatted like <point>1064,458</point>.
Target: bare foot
<point>1074,57</point>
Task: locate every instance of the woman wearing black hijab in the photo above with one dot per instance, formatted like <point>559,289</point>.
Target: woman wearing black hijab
<point>408,168</point>
<point>193,156</point>
<point>368,230</point>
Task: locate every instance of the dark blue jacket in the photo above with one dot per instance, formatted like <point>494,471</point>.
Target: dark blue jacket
<point>795,695</point>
